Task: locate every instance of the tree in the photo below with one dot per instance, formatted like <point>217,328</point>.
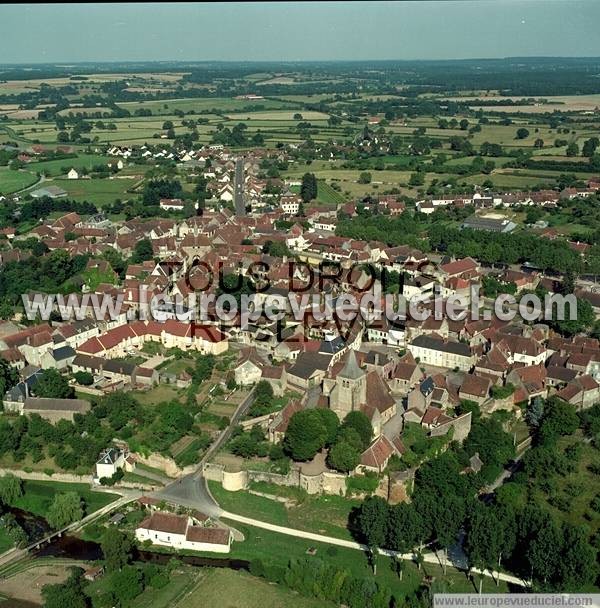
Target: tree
<point>331,422</point>
<point>416,179</point>
<point>535,412</point>
<point>127,584</point>
<point>522,133</point>
<point>204,368</point>
<point>8,374</point>
<point>53,385</point>
<point>11,488</point>
<point>306,435</point>
<point>84,378</point>
<point>69,594</point>
<point>543,554</point>
<point>405,529</point>
<point>464,124</point>
<point>263,397</point>
<point>142,252</point>
<point>538,143</point>
<point>560,418</point>
<point>490,533</point>
<point>308,187</point>
<point>372,521</point>
<point>589,147</point>
<point>263,392</point>
<point>343,457</point>
<point>572,149</point>
<point>359,421</point>
<point>494,445</point>
<point>120,408</point>
<point>116,547</point>
<point>64,510</point>
<point>577,567</point>
<point>364,178</point>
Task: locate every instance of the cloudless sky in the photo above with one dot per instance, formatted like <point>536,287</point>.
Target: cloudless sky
<point>299,31</point>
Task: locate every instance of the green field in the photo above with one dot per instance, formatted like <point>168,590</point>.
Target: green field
<point>278,115</point>
<point>279,548</point>
<point>326,194</point>
<point>55,167</point>
<point>242,589</point>
<point>97,191</point>
<point>13,181</point>
<point>38,496</point>
<point>217,104</point>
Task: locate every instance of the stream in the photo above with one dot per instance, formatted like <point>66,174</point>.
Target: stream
<point>75,548</point>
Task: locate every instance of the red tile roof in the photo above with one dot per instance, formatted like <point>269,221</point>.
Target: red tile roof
<point>166,522</point>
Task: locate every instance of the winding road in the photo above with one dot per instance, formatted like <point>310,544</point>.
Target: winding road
<point>192,491</point>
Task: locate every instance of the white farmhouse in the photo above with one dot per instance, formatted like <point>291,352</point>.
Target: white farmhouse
<point>181,532</point>
<point>72,174</point>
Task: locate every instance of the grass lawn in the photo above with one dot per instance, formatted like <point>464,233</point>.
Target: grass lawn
<point>279,548</point>
<point>176,366</point>
<point>241,589</point>
<point>320,514</point>
<point>38,496</point>
<point>11,181</point>
<point>157,394</point>
<point>249,505</point>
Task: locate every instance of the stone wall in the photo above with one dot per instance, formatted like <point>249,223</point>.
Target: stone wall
<point>168,465</point>
<point>213,472</point>
<point>461,426</point>
<point>326,482</point>
<point>41,476</point>
<point>291,479</point>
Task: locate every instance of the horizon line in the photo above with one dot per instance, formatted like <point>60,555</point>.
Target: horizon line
<point>64,63</point>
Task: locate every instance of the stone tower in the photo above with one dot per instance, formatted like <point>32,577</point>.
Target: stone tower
<point>350,390</point>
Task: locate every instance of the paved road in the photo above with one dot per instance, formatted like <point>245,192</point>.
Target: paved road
<point>191,490</point>
<point>238,188</point>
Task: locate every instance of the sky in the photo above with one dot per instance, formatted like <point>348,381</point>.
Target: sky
<point>298,31</point>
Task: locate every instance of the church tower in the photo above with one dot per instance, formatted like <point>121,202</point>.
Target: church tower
<point>350,391</point>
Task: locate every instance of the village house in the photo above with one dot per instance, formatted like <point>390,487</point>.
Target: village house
<point>52,410</point>
<point>582,392</point>
<point>109,463</point>
<point>442,353</point>
<point>183,532</point>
